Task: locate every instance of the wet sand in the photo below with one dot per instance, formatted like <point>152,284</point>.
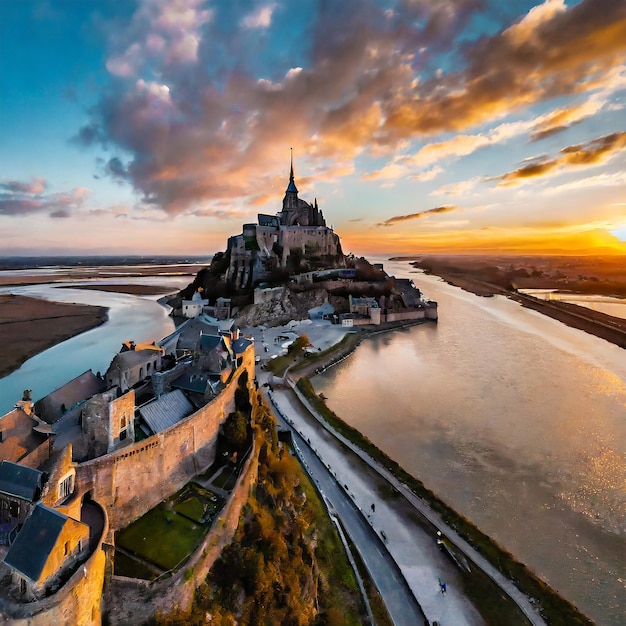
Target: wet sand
<point>29,326</point>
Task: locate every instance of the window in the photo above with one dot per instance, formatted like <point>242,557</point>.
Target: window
<point>123,428</point>
<point>14,508</point>
<point>66,486</point>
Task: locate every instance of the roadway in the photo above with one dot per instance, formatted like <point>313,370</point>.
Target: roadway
<point>399,551</point>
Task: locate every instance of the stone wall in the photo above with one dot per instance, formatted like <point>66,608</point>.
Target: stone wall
<point>77,603</point>
<point>132,480</point>
<point>134,601</point>
<point>405,315</point>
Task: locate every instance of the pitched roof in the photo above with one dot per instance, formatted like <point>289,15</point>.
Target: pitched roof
<point>166,411</point>
<point>30,550</point>
<point>50,407</point>
<point>191,381</point>
<point>19,481</point>
<point>210,342</point>
<point>241,345</point>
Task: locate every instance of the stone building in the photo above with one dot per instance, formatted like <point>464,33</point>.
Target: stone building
<point>295,235</point>
<point>24,438</point>
<point>20,488</point>
<point>133,364</point>
<point>193,308</point>
<point>46,547</point>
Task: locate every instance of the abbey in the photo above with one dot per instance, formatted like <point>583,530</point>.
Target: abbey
<point>296,239</point>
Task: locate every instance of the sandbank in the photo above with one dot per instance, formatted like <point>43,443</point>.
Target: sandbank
<point>29,326</point>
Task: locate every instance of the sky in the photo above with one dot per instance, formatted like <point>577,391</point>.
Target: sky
<point>420,126</point>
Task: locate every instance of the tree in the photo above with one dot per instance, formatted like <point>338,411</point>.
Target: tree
<point>299,344</point>
<point>236,431</point>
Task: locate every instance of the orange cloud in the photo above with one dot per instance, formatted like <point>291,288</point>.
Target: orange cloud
<point>563,53</point>
<point>415,216</point>
<point>592,153</point>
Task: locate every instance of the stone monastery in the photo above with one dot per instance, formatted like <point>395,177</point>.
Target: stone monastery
<point>81,464</point>
<point>281,241</point>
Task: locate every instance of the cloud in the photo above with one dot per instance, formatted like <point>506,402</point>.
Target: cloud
<point>34,186</point>
<point>198,121</point>
<point>163,33</point>
<point>260,18</point>
<point>415,216</point>
<point>550,53</point>
<point>18,198</point>
<point>592,153</point>
<point>456,189</point>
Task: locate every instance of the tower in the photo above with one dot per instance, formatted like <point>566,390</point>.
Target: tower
<point>290,201</point>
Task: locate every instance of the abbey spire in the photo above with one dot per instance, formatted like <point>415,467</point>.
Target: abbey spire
<point>290,201</point>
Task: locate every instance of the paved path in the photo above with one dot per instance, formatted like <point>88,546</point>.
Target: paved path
<point>399,545</point>
<point>412,547</point>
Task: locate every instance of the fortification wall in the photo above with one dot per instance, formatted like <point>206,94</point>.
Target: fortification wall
<point>131,481</point>
<point>320,240</point>
<point>78,602</point>
<point>134,601</point>
<point>400,316</point>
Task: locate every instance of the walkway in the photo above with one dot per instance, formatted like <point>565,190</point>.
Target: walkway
<point>414,578</point>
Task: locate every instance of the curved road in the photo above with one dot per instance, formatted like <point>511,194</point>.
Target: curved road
<point>401,554</point>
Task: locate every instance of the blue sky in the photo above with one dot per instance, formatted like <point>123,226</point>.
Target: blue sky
<point>161,126</point>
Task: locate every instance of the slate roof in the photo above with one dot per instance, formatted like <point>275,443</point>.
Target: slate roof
<point>76,390</point>
<point>241,345</point>
<point>190,332</point>
<point>191,381</point>
<point>411,296</point>
<point>166,411</point>
<point>19,481</point>
<point>209,342</point>
<point>130,358</point>
<point>30,550</point>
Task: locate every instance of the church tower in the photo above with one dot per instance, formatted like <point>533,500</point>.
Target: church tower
<point>290,201</point>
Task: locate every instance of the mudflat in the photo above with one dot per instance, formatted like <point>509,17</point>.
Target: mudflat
<point>29,326</point>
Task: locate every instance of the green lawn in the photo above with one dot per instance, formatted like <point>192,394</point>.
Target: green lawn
<point>171,531</point>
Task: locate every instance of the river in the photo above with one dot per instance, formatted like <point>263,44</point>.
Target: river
<point>514,419</point>
<point>131,317</point>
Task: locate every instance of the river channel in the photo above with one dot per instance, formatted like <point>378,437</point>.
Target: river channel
<point>514,419</point>
<point>137,318</point>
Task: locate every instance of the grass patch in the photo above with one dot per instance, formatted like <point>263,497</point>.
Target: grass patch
<point>169,533</point>
<point>126,565</point>
<point>556,610</point>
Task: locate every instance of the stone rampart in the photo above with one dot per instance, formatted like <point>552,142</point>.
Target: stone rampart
<point>131,481</point>
<point>134,601</point>
<point>77,603</point>
<point>401,316</point>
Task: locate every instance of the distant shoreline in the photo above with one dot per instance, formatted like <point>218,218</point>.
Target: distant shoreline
<point>607,327</point>
<point>28,326</point>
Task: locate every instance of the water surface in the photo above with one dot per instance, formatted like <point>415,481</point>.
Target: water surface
<point>514,419</point>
